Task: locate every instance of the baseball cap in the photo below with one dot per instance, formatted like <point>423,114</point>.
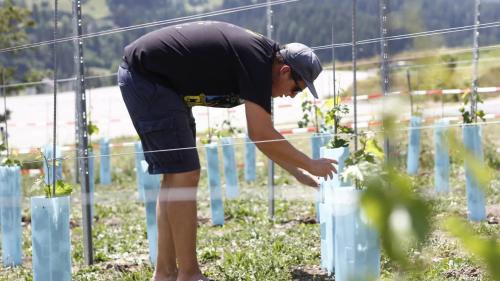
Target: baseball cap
<point>304,61</point>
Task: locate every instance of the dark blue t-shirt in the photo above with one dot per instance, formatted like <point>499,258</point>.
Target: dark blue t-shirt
<point>207,57</point>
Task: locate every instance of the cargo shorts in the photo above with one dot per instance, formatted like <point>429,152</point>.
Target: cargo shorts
<point>164,123</point>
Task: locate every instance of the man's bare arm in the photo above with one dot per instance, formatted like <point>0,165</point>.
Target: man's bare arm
<point>273,145</point>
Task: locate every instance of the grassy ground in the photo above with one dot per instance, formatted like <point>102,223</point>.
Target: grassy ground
<point>250,246</point>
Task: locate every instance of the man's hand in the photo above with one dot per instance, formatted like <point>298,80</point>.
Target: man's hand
<point>323,167</point>
<point>306,178</point>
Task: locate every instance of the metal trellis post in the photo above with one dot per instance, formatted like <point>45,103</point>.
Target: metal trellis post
<point>333,63</point>
<point>4,92</point>
<point>81,109</point>
<point>54,140</point>
<point>354,82</point>
<point>475,57</point>
<point>384,69</point>
<point>408,81</point>
<point>270,174</point>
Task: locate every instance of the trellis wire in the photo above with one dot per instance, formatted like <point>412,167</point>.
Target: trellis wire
<point>316,48</point>
<point>413,35</point>
<point>249,7</point>
<point>457,125</point>
<point>72,79</point>
<point>145,25</point>
<point>419,34</point>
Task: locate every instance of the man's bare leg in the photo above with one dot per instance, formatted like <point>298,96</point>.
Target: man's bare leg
<point>166,265</point>
<point>180,209</point>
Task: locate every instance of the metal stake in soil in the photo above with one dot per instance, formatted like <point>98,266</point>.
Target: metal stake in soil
<point>54,53</point>
<point>4,92</point>
<point>270,175</point>
<point>81,109</point>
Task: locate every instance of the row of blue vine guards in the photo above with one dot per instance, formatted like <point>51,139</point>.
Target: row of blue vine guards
<point>51,245</point>
<point>472,137</point>
<point>48,171</point>
<point>105,162</point>
<point>151,185</point>
<point>441,154</point>
<point>149,188</point>
<point>414,145</point>
<point>230,173</point>
<point>10,214</point>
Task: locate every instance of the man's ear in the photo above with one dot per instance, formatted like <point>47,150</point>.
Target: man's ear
<point>285,69</point>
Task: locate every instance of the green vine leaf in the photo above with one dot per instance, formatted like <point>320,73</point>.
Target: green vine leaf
<point>7,161</point>
<point>467,116</point>
<point>62,189</point>
<point>92,128</point>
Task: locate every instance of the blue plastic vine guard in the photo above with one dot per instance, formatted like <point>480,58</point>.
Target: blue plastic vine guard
<point>139,156</point>
<point>151,185</point>
<point>51,238</point>
<point>250,165</point>
<point>441,157</point>
<point>214,184</point>
<point>325,206</point>
<point>10,213</point>
<point>414,145</point>
<point>317,141</point>
<point>48,171</point>
<point>105,162</point>
<point>357,246</point>
<point>475,195</point>
<point>230,171</point>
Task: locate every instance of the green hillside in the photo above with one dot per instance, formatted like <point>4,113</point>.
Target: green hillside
<point>306,21</point>
<point>97,9</point>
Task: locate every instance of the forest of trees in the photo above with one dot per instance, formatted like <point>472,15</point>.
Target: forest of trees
<point>307,21</point>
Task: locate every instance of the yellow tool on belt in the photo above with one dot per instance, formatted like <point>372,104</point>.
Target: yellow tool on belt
<point>195,100</point>
<point>213,101</point>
